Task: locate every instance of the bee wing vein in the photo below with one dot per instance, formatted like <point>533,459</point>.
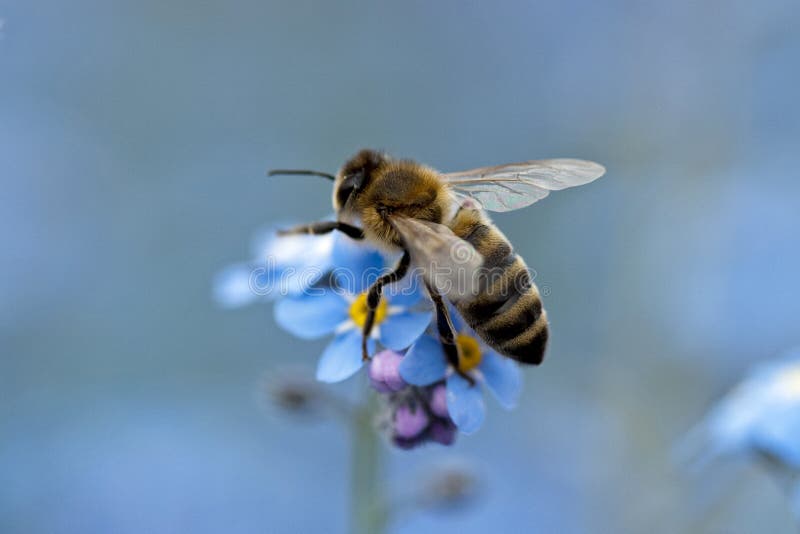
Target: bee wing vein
<point>516,185</point>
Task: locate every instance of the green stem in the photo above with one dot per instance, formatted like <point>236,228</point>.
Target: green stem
<point>368,507</point>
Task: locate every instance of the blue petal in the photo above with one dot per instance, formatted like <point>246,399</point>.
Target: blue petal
<point>424,363</point>
<point>291,281</point>
<point>458,323</point>
<point>292,250</point>
<point>342,358</point>
<point>402,329</point>
<point>778,432</point>
<point>465,404</point>
<point>311,315</point>
<point>290,264</point>
<point>503,377</point>
<point>407,292</point>
<point>232,286</point>
<point>357,264</point>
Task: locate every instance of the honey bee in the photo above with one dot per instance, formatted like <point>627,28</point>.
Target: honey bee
<point>439,223</point>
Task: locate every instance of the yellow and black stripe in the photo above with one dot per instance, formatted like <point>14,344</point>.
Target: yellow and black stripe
<point>507,312</point>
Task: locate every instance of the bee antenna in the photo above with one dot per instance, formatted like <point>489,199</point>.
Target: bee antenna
<point>294,171</point>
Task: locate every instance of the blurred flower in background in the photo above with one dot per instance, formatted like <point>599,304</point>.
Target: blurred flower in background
<point>762,414</point>
<point>280,265</point>
<point>759,420</point>
<point>289,265</point>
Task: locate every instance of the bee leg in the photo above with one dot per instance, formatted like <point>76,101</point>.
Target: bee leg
<point>324,227</point>
<point>374,294</point>
<point>446,333</point>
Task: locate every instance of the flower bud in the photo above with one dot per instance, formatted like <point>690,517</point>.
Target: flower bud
<point>439,401</point>
<point>384,373</point>
<point>443,431</point>
<point>409,422</point>
<point>417,415</point>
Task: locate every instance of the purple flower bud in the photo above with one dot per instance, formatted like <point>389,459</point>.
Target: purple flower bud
<point>417,415</point>
<point>405,444</point>
<point>384,372</point>
<point>439,401</point>
<point>443,431</point>
<point>408,422</point>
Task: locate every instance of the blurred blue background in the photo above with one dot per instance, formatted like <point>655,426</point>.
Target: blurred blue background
<point>134,137</point>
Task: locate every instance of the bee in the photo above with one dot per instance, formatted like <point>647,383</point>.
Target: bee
<point>439,223</point>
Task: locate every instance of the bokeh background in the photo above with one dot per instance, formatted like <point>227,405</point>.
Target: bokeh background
<point>134,137</point>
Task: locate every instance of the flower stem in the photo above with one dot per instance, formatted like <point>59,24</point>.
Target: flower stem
<point>368,506</point>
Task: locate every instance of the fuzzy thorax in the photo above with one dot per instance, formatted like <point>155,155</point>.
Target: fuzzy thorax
<point>399,189</point>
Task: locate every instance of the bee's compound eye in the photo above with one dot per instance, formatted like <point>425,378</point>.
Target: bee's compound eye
<point>350,184</point>
<point>356,179</point>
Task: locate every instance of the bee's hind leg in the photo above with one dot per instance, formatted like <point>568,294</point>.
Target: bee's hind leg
<point>324,227</point>
<point>446,333</point>
<point>374,294</point>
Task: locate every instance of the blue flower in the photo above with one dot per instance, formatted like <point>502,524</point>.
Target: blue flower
<point>761,415</point>
<point>400,319</point>
<point>289,265</point>
<point>425,363</point>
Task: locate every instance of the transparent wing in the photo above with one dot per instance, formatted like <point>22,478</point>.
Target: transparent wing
<point>516,185</point>
<point>447,262</point>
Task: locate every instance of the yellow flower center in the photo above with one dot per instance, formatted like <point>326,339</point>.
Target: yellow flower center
<point>469,352</point>
<point>788,383</point>
<point>359,310</point>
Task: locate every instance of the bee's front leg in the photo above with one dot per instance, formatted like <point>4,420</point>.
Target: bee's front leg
<point>446,334</point>
<point>324,227</point>
<point>374,294</point>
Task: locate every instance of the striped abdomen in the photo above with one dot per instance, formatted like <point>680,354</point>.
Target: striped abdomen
<point>507,313</point>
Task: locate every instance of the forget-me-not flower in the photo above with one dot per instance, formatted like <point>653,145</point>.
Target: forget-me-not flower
<point>761,415</point>
<point>425,363</point>
<point>289,265</point>
<point>402,316</point>
<point>760,420</point>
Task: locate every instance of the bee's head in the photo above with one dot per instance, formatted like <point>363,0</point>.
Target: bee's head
<point>354,176</point>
